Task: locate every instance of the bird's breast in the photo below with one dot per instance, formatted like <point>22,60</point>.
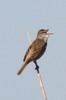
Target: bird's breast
<point>42,51</point>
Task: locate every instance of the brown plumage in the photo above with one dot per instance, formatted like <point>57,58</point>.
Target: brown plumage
<point>36,49</point>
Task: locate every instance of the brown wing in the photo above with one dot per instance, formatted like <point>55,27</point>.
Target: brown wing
<point>39,50</point>
<point>35,50</point>
<point>27,52</point>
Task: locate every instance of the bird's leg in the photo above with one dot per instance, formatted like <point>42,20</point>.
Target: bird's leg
<point>37,67</point>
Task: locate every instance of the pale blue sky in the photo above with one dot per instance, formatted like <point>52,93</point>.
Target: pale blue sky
<point>17,17</point>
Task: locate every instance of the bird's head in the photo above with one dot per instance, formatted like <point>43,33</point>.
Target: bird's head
<point>43,34</point>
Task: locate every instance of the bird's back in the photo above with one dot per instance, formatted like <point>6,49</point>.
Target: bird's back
<point>36,50</point>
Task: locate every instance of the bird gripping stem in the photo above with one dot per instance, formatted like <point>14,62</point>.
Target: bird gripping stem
<point>37,67</point>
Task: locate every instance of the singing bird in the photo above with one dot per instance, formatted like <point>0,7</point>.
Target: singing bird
<point>36,49</point>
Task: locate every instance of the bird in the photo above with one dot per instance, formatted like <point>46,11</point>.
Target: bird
<point>36,49</point>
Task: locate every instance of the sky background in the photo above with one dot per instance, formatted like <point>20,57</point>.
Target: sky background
<point>17,17</point>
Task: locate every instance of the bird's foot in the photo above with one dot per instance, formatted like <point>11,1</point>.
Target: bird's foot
<point>37,68</point>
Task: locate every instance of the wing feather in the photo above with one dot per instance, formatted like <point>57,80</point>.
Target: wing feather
<point>35,50</point>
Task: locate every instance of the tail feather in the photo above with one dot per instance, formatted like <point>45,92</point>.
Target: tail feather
<point>21,69</point>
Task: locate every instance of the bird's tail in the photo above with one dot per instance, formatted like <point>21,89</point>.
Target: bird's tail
<point>22,68</point>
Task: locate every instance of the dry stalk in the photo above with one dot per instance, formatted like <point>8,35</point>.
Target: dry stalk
<point>39,75</point>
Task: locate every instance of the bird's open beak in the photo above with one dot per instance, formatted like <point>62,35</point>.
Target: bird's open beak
<point>49,33</point>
